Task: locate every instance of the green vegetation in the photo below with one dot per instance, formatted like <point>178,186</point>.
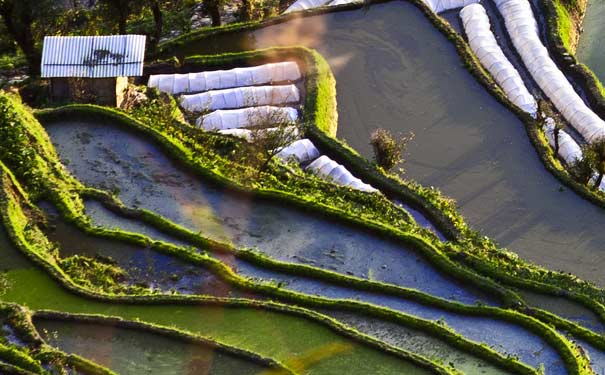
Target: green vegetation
<point>285,332</point>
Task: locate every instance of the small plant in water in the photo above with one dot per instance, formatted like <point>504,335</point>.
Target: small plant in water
<point>388,151</point>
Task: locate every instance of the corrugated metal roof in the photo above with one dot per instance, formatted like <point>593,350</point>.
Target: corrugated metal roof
<point>93,56</point>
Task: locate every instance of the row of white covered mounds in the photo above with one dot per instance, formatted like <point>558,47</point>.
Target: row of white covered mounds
<point>188,83</point>
<point>245,117</point>
<point>240,97</point>
<point>436,6</point>
<point>523,30</point>
<point>483,43</point>
<point>331,170</point>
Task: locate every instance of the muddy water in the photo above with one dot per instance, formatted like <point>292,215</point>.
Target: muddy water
<point>591,49</point>
<point>132,351</point>
<point>394,70</point>
<point>417,342</point>
<point>103,217</point>
<point>144,267</point>
<point>275,335</point>
<point>566,309</point>
<point>464,325</point>
<point>111,158</point>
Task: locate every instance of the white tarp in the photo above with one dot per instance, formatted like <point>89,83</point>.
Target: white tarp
<point>523,30</point>
<point>247,134</point>
<point>343,2</point>
<point>484,45</point>
<point>301,151</point>
<point>329,169</point>
<point>287,71</point>
<point>439,6</point>
<point>246,117</point>
<point>240,97</point>
<point>306,4</point>
<point>569,150</point>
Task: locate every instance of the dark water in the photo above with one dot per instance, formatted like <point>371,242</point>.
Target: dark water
<point>131,351</point>
<point>417,342</point>
<point>394,70</point>
<point>591,49</point>
<point>566,309</point>
<point>105,156</point>
<point>143,266</point>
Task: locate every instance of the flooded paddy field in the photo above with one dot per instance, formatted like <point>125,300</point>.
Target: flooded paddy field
<point>417,342</point>
<point>591,49</point>
<point>396,71</point>
<point>144,267</point>
<point>566,309</point>
<point>253,329</point>
<point>132,351</point>
<point>107,157</point>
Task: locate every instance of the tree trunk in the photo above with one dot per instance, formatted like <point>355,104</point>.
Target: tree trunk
<point>122,24</point>
<point>215,13</point>
<point>597,183</point>
<point>158,17</point>
<point>246,10</point>
<point>23,36</point>
<point>283,5</point>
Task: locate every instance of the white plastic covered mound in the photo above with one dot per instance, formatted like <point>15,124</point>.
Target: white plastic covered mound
<point>240,97</point>
<point>484,45</point>
<point>328,168</point>
<point>306,4</point>
<point>247,133</point>
<point>523,30</point>
<point>225,79</point>
<point>246,117</point>
<point>439,6</point>
<point>301,151</point>
<point>569,150</point>
<point>343,2</point>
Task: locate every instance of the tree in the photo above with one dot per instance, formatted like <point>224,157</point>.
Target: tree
<point>19,18</point>
<point>270,132</point>
<point>556,131</point>
<point>212,7</point>
<point>119,10</point>
<point>283,5</point>
<point>388,151</point>
<point>595,154</point>
<point>158,18</point>
<point>581,170</point>
<point>247,10</point>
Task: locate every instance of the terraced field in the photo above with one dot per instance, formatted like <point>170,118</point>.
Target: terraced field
<point>135,241</point>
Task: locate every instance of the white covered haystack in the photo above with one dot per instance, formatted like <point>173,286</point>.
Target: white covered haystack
<point>240,97</point>
<point>439,6</point>
<point>329,169</point>
<point>247,134</point>
<point>302,151</point>
<point>287,71</point>
<point>306,4</point>
<point>484,45</point>
<point>523,30</point>
<point>246,117</point>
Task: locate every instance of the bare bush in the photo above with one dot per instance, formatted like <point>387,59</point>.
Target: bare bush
<point>389,151</point>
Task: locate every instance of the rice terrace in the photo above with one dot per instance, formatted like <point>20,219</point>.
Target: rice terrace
<point>302,187</point>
